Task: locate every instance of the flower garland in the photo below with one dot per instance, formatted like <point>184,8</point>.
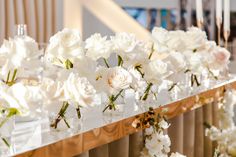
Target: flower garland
<point>225,133</point>
<point>157,143</point>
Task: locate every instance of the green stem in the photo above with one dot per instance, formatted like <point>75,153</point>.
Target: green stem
<point>61,115</point>
<point>78,112</point>
<point>14,75</point>
<point>146,93</point>
<point>106,63</point>
<point>138,68</point>
<point>120,61</point>
<point>152,50</point>
<point>172,86</point>
<point>112,99</point>
<point>5,141</point>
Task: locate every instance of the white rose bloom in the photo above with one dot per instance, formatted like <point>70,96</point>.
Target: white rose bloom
<point>138,56</point>
<point>118,78</point>
<point>98,47</point>
<point>123,42</point>
<point>196,64</point>
<point>86,67</point>
<point>66,44</point>
<point>176,60</point>
<point>195,39</point>
<point>177,155</point>
<point>155,71</point>
<point>160,38</point>
<point>25,98</point>
<point>220,58</point>
<point>19,52</point>
<point>80,91</point>
<point>51,89</point>
<point>176,41</point>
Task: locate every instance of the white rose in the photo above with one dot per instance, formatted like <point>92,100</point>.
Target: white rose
<point>220,58</point>
<point>80,91</point>
<point>118,78</point>
<point>155,71</point>
<point>19,53</point>
<point>66,44</point>
<point>23,97</point>
<point>123,42</point>
<point>176,60</point>
<point>176,41</point>
<point>86,67</point>
<point>98,47</point>
<point>138,56</point>
<point>195,39</point>
<point>51,89</point>
<point>160,38</point>
<point>196,63</point>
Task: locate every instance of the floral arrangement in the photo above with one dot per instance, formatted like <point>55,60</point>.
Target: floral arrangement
<point>157,143</point>
<point>102,71</point>
<point>225,133</point>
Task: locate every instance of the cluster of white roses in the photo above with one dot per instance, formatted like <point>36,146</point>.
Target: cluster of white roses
<point>225,134</point>
<point>101,69</point>
<point>20,67</point>
<point>157,143</point>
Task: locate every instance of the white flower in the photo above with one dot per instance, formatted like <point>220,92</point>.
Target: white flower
<point>19,53</point>
<point>86,67</point>
<point>195,39</point>
<point>123,42</point>
<point>220,58</point>
<point>157,144</point>
<point>25,98</point>
<point>160,37</point>
<point>98,47</point>
<point>52,90</point>
<point>176,60</point>
<point>80,91</point>
<point>176,41</point>
<point>155,71</point>
<point>119,78</point>
<point>195,63</point>
<point>163,124</point>
<point>149,131</point>
<point>177,155</point>
<point>138,56</point>
<point>66,44</point>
